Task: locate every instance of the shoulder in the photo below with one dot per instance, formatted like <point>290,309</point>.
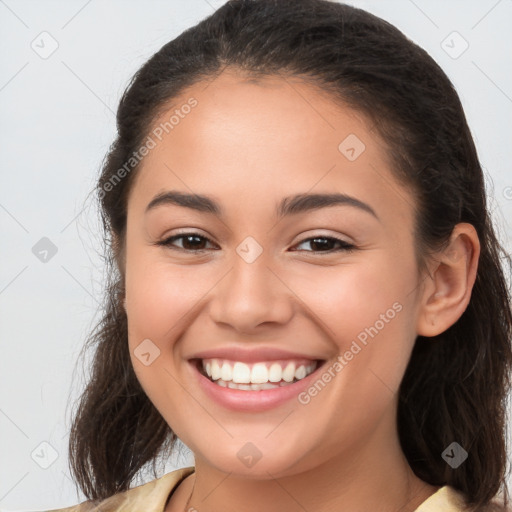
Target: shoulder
<point>151,496</point>
<point>449,499</point>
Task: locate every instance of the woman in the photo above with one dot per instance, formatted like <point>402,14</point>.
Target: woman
<point>306,287</point>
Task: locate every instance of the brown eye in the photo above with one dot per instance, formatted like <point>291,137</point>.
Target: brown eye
<point>191,242</point>
<point>194,242</point>
<point>325,243</point>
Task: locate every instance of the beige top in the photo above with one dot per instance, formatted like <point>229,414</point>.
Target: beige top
<point>153,496</point>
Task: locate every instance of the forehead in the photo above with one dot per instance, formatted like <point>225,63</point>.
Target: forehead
<point>248,140</point>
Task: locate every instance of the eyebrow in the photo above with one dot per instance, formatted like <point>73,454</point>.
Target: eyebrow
<point>291,205</point>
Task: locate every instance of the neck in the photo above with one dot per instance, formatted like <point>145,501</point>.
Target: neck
<point>373,476</point>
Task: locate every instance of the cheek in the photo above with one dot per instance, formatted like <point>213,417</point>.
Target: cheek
<point>365,309</point>
<point>163,297</point>
<point>162,303</point>
<point>362,310</point>
<point>352,297</point>
<point>346,300</point>
<point>368,310</point>
<point>366,301</point>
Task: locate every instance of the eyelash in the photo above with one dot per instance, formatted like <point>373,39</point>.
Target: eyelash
<point>345,246</point>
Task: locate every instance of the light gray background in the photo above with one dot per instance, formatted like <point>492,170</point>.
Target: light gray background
<point>57,122</point>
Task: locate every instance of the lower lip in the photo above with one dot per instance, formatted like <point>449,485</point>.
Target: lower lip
<point>252,401</point>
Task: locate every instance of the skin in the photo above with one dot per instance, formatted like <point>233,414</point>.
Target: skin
<point>248,144</point>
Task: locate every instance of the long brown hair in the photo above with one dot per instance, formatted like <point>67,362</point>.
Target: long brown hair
<point>456,384</point>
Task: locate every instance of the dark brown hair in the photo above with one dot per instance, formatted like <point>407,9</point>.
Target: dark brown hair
<point>455,386</point>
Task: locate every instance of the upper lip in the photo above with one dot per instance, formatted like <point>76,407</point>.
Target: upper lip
<point>251,354</point>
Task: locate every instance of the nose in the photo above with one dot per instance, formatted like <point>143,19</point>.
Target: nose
<point>251,295</point>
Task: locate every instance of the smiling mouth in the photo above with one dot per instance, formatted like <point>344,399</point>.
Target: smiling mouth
<point>256,376</point>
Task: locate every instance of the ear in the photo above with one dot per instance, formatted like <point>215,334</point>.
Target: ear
<point>447,289</point>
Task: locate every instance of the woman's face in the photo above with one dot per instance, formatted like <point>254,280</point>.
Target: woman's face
<point>266,287</point>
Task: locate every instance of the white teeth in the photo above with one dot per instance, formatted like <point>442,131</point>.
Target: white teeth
<point>247,387</point>
<point>275,372</point>
<point>300,372</point>
<point>268,385</point>
<point>215,370</point>
<point>259,373</point>
<point>241,373</point>
<point>262,375</point>
<point>289,372</point>
<point>226,372</point>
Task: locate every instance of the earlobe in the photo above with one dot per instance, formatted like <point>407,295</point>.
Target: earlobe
<point>448,288</point>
